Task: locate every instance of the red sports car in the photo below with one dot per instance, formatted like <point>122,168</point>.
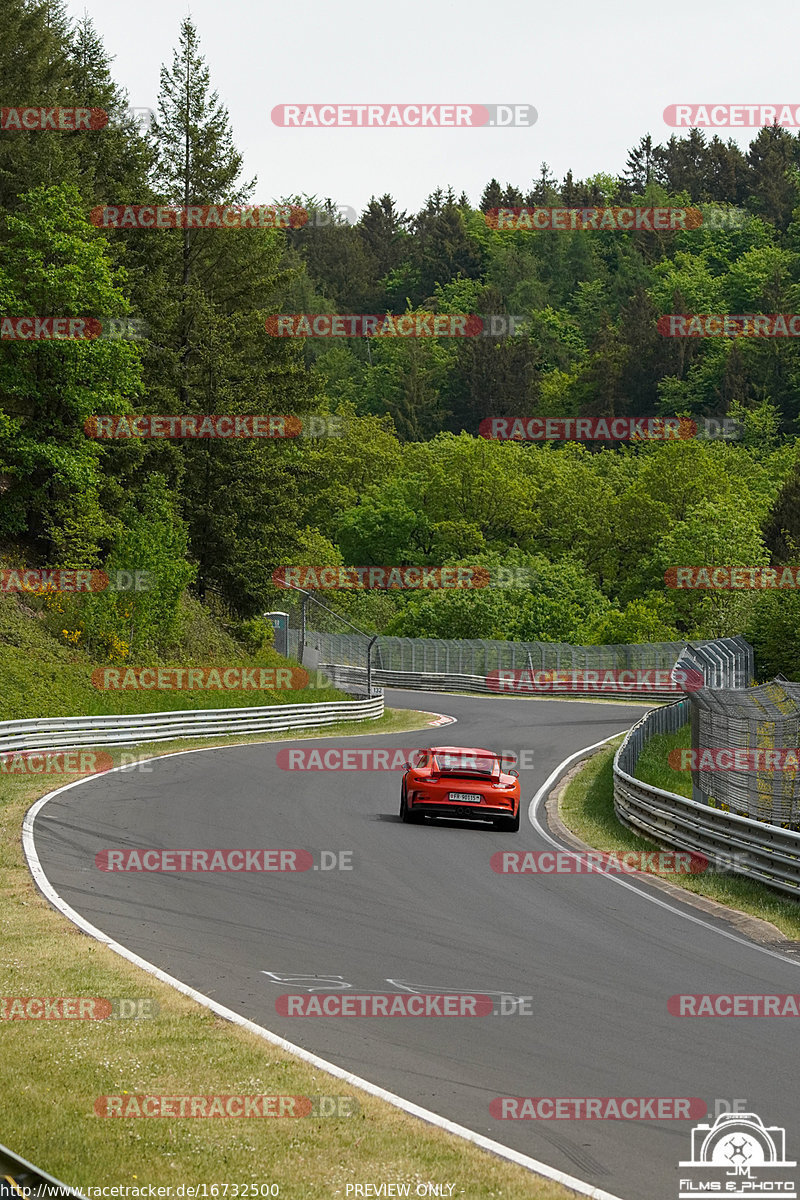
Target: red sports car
<point>453,781</point>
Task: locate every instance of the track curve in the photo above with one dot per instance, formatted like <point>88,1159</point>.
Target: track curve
<point>423,909</point>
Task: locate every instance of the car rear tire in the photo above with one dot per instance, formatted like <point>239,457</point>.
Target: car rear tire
<point>508,824</point>
<point>407,815</point>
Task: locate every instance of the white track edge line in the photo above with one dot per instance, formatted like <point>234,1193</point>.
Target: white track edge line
<point>414,1110</point>
<point>674,907</point>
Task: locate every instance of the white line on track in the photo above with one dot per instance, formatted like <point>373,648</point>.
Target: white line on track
<point>414,1110</point>
<point>675,907</point>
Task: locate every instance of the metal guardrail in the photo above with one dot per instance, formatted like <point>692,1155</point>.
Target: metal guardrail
<point>68,732</point>
<point>724,663</point>
<point>342,676</point>
<point>758,850</point>
<point>479,656</point>
<point>23,1179</point>
<point>766,718</point>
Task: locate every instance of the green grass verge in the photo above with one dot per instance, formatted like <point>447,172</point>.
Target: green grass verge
<point>51,1072</point>
<point>653,765</point>
<point>587,808</point>
<point>43,677</point>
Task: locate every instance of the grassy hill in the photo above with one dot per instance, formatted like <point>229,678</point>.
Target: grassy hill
<point>41,676</point>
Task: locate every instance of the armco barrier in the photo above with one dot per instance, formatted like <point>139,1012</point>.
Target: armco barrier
<point>760,851</point>
<point>53,733</point>
<point>24,1179</point>
<point>346,676</point>
<point>432,664</point>
<point>726,662</point>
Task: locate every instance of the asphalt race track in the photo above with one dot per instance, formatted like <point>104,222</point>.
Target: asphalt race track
<point>423,909</point>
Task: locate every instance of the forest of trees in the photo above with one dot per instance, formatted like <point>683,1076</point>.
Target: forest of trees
<point>409,481</point>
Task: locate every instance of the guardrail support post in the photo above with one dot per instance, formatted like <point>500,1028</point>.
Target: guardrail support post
<point>369,666</point>
<point>301,647</point>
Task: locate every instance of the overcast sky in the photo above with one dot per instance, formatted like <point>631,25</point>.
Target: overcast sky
<point>599,75</point>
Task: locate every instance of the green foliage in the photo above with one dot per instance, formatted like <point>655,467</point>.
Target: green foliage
<point>151,540</point>
<point>256,634</point>
<point>645,619</point>
<point>554,602</point>
<point>42,677</point>
<point>54,266</point>
<point>405,479</point>
<point>773,628</point>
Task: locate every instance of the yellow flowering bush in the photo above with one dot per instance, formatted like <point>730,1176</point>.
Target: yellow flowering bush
<point>115,648</point>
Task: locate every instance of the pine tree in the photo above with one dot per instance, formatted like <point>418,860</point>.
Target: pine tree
<point>492,196</point>
<point>442,249</point>
<point>685,165</point>
<point>773,183</point>
<point>544,190</point>
<point>34,64</point>
<point>113,163</point>
<point>641,165</point>
<point>512,197</point>
<point>384,231</point>
<point>782,527</point>
<point>727,176</point>
<point>210,291</point>
<point>569,191</point>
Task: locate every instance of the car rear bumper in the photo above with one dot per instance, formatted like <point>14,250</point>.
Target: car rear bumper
<point>476,812</point>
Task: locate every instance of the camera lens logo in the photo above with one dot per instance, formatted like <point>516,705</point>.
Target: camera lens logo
<point>738,1155</point>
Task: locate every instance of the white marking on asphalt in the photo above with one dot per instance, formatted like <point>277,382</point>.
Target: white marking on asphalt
<point>673,907</point>
<point>373,1089</point>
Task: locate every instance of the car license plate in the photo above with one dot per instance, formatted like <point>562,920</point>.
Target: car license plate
<point>466,797</point>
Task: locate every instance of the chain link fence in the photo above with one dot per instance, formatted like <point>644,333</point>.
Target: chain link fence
<point>470,664</point>
<point>757,849</point>
<point>758,719</point>
<point>726,662</point>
